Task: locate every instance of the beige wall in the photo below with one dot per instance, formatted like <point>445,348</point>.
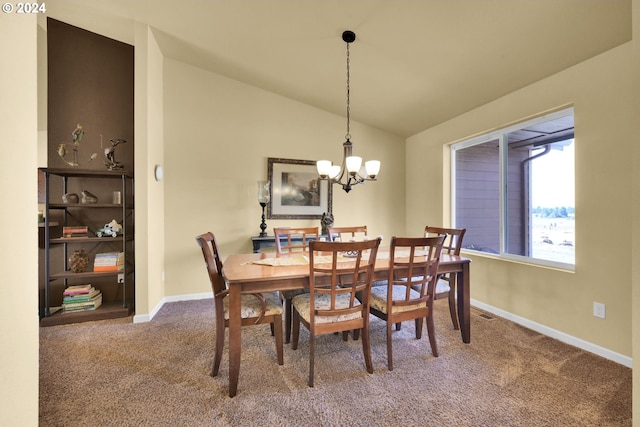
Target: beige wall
<point>18,192</point>
<point>150,219</point>
<point>600,91</point>
<point>218,136</point>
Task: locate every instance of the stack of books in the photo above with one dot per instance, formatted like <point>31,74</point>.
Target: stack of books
<point>109,261</point>
<point>81,298</point>
<point>75,231</point>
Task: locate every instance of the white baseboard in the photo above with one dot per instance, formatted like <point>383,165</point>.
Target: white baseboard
<point>141,318</point>
<point>560,336</point>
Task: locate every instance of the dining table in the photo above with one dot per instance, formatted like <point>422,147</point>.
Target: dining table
<point>269,271</point>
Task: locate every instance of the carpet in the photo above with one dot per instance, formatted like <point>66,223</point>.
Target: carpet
<point>116,373</point>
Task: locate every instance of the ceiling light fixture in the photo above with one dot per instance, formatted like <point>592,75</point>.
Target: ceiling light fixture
<point>351,172</point>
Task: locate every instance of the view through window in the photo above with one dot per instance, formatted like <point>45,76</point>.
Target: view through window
<point>553,212</point>
<point>514,190</point>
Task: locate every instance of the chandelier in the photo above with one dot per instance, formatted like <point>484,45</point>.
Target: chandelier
<point>351,172</point>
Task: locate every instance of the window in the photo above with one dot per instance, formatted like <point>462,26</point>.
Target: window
<point>513,190</point>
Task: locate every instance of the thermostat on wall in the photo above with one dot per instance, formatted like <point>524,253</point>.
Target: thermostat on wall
<point>158,172</point>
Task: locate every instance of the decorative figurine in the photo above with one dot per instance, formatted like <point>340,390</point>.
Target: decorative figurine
<point>325,222</point>
<point>88,198</point>
<point>110,155</point>
<point>76,135</point>
<point>70,198</point>
<point>112,229</point>
<point>79,261</point>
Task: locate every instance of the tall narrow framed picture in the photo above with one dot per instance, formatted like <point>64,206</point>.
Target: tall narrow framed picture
<point>297,192</point>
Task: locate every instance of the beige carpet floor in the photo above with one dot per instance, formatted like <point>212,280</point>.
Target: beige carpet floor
<point>116,373</point>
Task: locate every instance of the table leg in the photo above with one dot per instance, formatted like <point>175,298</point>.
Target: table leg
<point>464,303</point>
<point>235,339</point>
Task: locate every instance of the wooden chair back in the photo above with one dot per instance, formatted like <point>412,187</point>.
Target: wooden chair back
<point>453,242</point>
<point>207,243</point>
<point>295,239</point>
<point>413,264</point>
<point>347,234</point>
<point>328,268</point>
<point>446,286</point>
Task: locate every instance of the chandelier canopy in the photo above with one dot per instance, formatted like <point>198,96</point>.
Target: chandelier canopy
<point>351,172</point>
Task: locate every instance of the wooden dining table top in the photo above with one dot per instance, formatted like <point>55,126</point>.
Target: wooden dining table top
<point>243,268</point>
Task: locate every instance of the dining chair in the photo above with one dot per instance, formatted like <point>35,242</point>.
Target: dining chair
<point>346,234</point>
<point>257,308</point>
<point>409,292</point>
<point>349,234</point>
<point>446,285</point>
<point>330,307</point>
<point>292,240</point>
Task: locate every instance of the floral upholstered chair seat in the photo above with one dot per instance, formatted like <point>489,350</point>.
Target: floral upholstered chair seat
<point>442,285</point>
<point>378,299</point>
<point>252,307</point>
<point>323,302</point>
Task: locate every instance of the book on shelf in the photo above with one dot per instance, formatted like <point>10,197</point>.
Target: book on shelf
<point>109,261</point>
<point>78,289</point>
<point>82,297</point>
<point>92,304</point>
<point>75,231</point>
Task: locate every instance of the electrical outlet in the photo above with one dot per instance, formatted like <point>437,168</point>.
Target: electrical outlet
<point>599,310</point>
<point>120,277</point>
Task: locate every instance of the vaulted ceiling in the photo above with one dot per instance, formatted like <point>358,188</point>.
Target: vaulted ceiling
<point>415,63</point>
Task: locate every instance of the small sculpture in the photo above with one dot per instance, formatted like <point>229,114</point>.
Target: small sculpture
<point>79,261</point>
<point>112,229</point>
<point>88,198</point>
<point>326,221</point>
<point>70,198</point>
<point>110,155</point>
<point>76,135</point>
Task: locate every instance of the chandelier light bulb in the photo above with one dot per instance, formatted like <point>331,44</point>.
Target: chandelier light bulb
<point>324,168</point>
<point>353,164</point>
<point>372,168</point>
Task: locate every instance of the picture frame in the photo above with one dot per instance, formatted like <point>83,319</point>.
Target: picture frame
<point>297,192</point>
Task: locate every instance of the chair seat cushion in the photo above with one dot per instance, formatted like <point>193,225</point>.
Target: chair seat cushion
<point>378,299</point>
<point>441,287</point>
<point>323,302</point>
<point>251,306</point>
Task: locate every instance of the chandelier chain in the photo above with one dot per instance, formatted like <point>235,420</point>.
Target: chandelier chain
<point>348,135</point>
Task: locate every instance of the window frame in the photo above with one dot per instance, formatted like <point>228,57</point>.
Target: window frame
<point>501,135</point>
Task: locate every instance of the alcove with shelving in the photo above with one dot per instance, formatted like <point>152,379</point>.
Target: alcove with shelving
<point>89,147</point>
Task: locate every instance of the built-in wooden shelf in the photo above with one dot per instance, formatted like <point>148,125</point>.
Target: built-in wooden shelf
<point>71,275</point>
<point>105,311</point>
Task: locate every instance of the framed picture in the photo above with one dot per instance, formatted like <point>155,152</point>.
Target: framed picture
<point>297,192</point>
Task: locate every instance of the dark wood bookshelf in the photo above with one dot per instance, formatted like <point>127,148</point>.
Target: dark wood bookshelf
<point>86,173</point>
<point>56,273</point>
<point>87,239</point>
<point>87,274</point>
<point>86,205</point>
<point>110,310</point>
